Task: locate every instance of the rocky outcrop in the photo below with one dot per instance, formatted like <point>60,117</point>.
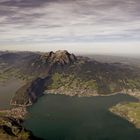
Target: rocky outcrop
<point>29,93</point>
<point>53,59</point>
<point>11,125</point>
<point>11,129</point>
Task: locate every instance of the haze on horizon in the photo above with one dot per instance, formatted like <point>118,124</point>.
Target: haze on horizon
<point>81,26</point>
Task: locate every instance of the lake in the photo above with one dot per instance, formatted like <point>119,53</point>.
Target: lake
<point>7,91</point>
<point>59,117</point>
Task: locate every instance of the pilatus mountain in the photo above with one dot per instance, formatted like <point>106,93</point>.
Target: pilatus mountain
<point>63,73</point>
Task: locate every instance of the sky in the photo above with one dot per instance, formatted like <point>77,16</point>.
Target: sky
<point>86,26</point>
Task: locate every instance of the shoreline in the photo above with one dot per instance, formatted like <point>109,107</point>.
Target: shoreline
<point>129,111</point>
<point>20,105</point>
<point>135,94</point>
<point>20,111</point>
<point>17,113</point>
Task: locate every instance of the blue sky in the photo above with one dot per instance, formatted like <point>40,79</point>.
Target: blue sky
<point>71,24</point>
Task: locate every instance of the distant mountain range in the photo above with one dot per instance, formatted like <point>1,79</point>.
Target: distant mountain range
<point>63,73</point>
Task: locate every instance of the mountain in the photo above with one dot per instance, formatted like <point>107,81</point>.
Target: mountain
<point>59,58</point>
<point>29,93</point>
<point>63,73</point>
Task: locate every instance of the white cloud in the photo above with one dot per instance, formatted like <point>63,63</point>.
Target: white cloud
<point>64,21</point>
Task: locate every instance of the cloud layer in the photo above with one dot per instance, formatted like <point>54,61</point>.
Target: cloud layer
<point>52,21</point>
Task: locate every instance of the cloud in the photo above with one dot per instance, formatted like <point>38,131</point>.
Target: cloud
<point>40,21</point>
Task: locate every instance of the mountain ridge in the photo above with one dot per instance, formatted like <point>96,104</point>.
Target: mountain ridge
<point>75,76</point>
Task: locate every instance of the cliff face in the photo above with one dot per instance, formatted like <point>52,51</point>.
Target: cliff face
<point>58,57</point>
<point>43,65</point>
<point>29,93</point>
<point>48,62</point>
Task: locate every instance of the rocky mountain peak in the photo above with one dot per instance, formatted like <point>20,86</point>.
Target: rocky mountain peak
<point>59,57</point>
